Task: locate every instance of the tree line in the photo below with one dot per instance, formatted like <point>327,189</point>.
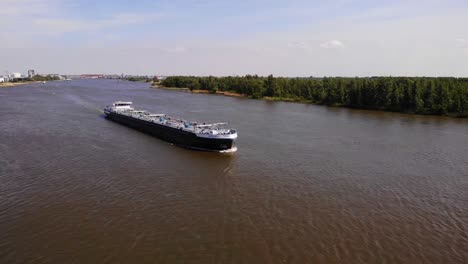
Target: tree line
<point>44,78</point>
<point>421,95</point>
<point>141,79</point>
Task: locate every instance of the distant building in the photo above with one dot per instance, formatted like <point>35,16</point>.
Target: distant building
<point>91,76</point>
<point>112,76</point>
<point>2,79</point>
<point>15,75</point>
<point>31,73</point>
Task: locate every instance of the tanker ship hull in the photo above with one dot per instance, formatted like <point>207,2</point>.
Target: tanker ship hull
<point>174,135</point>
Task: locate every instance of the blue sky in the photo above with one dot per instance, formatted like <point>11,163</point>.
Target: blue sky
<point>200,37</point>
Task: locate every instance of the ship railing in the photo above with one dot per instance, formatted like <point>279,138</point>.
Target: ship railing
<point>121,103</point>
<point>140,112</point>
<point>215,131</point>
<point>211,125</point>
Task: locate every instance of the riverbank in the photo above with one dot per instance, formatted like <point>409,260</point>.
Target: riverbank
<point>231,94</point>
<point>421,95</point>
<point>234,94</point>
<point>225,93</point>
<point>10,84</point>
<point>292,100</point>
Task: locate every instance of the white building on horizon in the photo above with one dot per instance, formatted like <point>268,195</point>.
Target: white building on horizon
<point>15,75</point>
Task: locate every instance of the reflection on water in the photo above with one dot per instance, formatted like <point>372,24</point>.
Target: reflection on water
<point>308,183</point>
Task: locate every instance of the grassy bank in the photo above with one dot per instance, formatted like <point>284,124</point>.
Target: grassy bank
<point>234,94</point>
<point>12,84</point>
<point>199,91</point>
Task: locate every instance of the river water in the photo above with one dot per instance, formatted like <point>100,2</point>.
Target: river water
<point>308,184</point>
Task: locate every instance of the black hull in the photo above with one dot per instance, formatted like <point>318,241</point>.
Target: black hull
<point>173,135</point>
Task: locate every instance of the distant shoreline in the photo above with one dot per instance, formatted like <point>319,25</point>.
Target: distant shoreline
<point>13,84</point>
<point>225,93</point>
<point>234,94</point>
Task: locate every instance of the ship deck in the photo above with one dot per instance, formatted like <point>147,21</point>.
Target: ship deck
<point>203,129</point>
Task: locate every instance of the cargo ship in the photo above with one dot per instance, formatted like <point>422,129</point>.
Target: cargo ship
<point>192,135</point>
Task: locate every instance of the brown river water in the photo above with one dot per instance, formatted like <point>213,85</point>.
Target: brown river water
<point>308,184</point>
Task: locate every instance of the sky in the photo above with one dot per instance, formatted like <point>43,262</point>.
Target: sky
<point>201,37</point>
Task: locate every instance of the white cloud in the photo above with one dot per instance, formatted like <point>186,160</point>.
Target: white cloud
<point>58,25</point>
<point>176,49</point>
<point>64,25</point>
<point>15,14</point>
<point>332,44</point>
<point>25,7</point>
<point>461,42</point>
<point>298,45</point>
<point>25,18</point>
